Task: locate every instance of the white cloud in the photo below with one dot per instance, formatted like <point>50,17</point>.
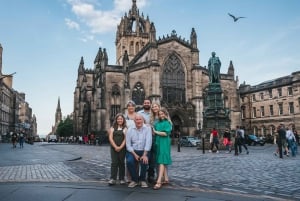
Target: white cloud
<point>101,21</point>
<point>71,24</point>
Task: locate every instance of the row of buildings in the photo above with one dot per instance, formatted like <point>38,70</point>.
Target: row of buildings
<point>167,70</point>
<point>15,113</point>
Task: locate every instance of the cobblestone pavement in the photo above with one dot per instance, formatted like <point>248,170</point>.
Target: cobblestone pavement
<point>260,172</point>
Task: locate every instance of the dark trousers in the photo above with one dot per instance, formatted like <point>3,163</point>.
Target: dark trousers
<point>152,163</point>
<point>132,167</point>
<point>242,143</point>
<point>117,163</point>
<point>279,149</point>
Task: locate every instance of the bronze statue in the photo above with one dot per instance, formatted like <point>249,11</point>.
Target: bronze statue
<point>214,66</point>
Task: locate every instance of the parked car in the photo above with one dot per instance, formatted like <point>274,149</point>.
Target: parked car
<point>52,138</point>
<point>254,140</point>
<point>189,141</point>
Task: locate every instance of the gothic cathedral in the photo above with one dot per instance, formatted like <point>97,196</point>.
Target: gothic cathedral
<point>165,70</point>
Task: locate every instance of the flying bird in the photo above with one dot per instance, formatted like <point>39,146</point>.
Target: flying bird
<point>235,18</point>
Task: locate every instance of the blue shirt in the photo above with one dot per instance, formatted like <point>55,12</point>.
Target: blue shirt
<point>139,139</point>
<point>146,116</point>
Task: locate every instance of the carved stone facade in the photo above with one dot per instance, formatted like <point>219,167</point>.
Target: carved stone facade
<point>166,70</point>
<point>270,103</point>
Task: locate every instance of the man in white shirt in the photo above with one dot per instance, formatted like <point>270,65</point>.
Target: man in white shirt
<point>138,145</point>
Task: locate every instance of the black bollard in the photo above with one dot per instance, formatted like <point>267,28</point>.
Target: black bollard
<point>203,144</point>
<point>178,146</point>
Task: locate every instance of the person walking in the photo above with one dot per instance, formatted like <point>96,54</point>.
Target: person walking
<point>291,141</point>
<point>21,140</point>
<point>14,139</point>
<point>241,133</point>
<point>227,140</point>
<point>162,130</point>
<point>138,145</point>
<point>214,140</point>
<point>281,140</point>
<point>116,138</point>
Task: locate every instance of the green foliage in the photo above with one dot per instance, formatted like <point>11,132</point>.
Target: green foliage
<point>65,128</point>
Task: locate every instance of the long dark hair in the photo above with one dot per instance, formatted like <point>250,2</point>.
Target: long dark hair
<point>115,123</point>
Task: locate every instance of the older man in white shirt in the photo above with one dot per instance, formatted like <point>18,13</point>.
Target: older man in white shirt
<point>138,145</point>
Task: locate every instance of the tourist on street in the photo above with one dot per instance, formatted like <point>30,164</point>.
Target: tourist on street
<point>241,132</point>
<point>214,140</point>
<point>138,145</point>
<point>281,140</point>
<point>116,138</point>
<point>291,141</point>
<point>14,139</point>
<point>21,140</point>
<point>227,140</point>
<point>162,130</point>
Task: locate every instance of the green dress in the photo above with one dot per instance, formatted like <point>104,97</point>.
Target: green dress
<point>163,143</point>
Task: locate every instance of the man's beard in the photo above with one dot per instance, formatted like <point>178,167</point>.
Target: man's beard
<point>146,107</point>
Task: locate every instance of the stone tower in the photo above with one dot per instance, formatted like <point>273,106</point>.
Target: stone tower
<point>133,33</point>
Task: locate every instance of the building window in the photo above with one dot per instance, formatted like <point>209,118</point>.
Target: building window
<point>279,90</point>
<point>271,110</point>
<point>261,96</point>
<point>262,111</point>
<point>115,102</point>
<point>290,91</point>
<point>243,113</point>
<point>131,48</point>
<point>173,81</point>
<point>254,112</point>
<point>253,97</point>
<point>270,93</point>
<point>138,94</point>
<point>280,108</point>
<point>291,108</point>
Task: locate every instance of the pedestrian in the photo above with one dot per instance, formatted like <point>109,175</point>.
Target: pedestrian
<point>14,139</point>
<point>281,140</point>
<point>138,145</point>
<point>241,133</point>
<point>21,140</point>
<point>116,138</point>
<point>214,140</point>
<point>291,141</point>
<point>227,140</point>
<point>162,130</point>
<point>155,107</point>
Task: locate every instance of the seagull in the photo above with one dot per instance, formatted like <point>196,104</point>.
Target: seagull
<point>235,18</point>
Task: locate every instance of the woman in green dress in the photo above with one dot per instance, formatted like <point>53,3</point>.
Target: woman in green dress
<point>162,130</point>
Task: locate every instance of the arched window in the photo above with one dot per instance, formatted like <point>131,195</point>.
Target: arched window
<point>137,47</point>
<point>173,81</point>
<point>115,102</point>
<point>138,93</point>
<point>131,48</point>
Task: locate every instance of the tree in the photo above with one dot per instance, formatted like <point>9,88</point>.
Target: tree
<point>65,128</point>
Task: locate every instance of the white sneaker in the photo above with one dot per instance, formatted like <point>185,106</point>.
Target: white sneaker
<point>112,182</point>
<point>132,184</point>
<point>209,151</point>
<point>217,152</point>
<point>122,182</point>
<point>144,184</point>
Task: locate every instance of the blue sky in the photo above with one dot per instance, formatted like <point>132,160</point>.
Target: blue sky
<point>43,41</point>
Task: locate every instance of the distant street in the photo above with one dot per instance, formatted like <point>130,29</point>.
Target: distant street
<point>258,174</point>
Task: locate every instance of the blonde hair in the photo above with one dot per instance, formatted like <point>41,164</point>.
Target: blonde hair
<point>165,111</point>
<point>152,115</point>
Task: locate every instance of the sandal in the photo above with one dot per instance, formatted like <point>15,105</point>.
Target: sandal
<point>166,182</point>
<point>157,186</point>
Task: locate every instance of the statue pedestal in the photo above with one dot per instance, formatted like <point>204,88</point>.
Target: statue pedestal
<point>215,115</point>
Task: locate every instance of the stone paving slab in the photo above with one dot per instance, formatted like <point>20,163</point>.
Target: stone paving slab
<point>260,172</point>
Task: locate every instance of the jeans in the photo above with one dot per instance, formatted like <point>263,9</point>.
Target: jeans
<point>132,167</point>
